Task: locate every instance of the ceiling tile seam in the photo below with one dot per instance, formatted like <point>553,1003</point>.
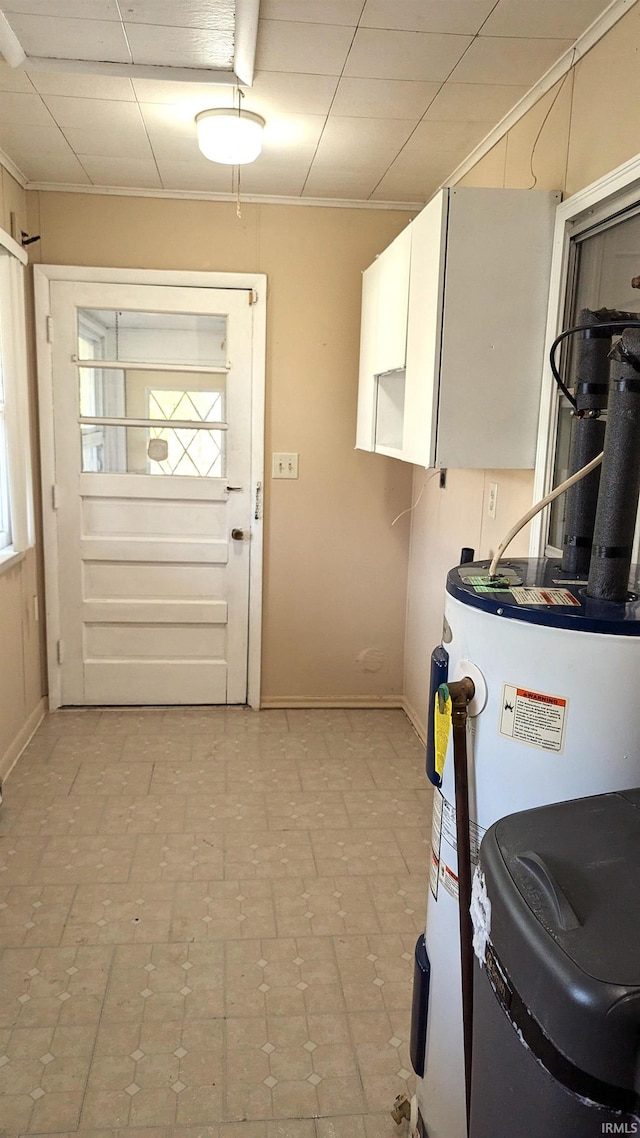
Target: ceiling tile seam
<point>333,98</point>
<point>148,138</point>
<point>124,31</point>
<point>75,155</point>
<point>475,37</point>
<point>421,120</point>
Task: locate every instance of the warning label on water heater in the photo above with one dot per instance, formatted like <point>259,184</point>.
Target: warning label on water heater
<point>533,717</point>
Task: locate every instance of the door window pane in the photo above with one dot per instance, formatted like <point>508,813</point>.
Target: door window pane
<point>114,449</point>
<point>152,337</point>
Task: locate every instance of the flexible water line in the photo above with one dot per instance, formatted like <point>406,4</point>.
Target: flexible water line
<point>535,509</point>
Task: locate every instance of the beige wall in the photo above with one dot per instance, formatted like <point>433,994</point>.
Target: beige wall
<point>592,127</point>
<point>20,636</point>
<point>335,570</point>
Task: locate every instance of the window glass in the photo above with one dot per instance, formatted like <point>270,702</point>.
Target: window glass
<point>604,264</point>
<point>5,525</point>
<point>153,337</point>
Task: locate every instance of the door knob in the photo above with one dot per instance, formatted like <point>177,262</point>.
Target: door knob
<point>237,534</point>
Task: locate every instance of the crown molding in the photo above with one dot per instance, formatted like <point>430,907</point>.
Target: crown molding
<point>203,196</point>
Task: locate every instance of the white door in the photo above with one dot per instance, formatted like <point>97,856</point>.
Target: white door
<point>152,439</point>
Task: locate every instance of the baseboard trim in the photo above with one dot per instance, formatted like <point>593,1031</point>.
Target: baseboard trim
<point>385,702</point>
<point>12,754</point>
<point>415,720</point>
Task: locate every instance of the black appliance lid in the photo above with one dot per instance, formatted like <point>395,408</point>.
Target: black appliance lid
<point>564,885</point>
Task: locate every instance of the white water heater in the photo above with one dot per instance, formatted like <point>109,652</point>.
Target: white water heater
<point>555,716</point>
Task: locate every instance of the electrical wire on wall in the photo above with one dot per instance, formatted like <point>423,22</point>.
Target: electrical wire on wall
<point>410,509</point>
<point>544,121</point>
<point>235,173</point>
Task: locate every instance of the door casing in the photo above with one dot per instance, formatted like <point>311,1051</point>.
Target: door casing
<point>256,283</point>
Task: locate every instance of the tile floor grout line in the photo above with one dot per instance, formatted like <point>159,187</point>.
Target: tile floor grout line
<point>342,768</point>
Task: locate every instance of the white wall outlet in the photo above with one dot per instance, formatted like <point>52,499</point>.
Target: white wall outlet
<point>284,465</point>
<point>492,503</point>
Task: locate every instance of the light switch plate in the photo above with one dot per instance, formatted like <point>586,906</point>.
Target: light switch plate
<point>284,465</point>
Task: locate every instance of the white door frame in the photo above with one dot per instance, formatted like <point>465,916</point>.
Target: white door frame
<point>610,194</point>
<point>43,275</point>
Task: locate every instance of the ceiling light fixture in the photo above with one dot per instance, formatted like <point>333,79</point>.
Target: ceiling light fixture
<point>231,136</point>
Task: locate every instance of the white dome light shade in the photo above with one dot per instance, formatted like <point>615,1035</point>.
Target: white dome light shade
<point>230,136</point>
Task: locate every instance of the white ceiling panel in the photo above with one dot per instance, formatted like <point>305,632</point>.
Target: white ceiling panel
<point>24,110</point>
<point>277,92</point>
<point>80,9</point>
<point>509,61</point>
<point>60,169</point>
<point>54,37</point>
<point>293,135</point>
<point>346,12</point>
<point>351,140</point>
<point>274,178</point>
<point>104,87</point>
<point>200,175</point>
<point>210,14</point>
<point>474,102</point>
<point>166,91</point>
<point>542,19</point>
<point>412,187</point>
<point>179,47</point>
<point>107,129</point>
<point>136,172</point>
<point>111,143</point>
<point>338,182</point>
<point>311,49</point>
<point>430,138</point>
<point>92,114</point>
<point>14,79</point>
<point>383,98</point>
<point>171,131</point>
<point>404,55</point>
<point>457,17</point>
<point>19,144</point>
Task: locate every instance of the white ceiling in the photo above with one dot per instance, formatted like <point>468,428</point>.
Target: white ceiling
<point>364,99</point>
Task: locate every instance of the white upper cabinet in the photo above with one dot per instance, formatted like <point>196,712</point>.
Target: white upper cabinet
<point>461,387</point>
<point>383,331</point>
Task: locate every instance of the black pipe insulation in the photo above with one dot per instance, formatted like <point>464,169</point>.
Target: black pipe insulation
<point>620,478</point>
<point>591,390</point>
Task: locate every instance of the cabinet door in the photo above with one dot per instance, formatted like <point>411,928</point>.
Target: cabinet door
<point>383,329</point>
<point>392,304</point>
<point>426,292</point>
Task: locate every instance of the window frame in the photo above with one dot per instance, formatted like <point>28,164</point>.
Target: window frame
<point>597,204</point>
<point>16,492</point>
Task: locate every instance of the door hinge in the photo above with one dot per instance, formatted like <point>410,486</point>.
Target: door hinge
<point>253,297</point>
<point>49,329</point>
<point>60,651</point>
<point>54,496</point>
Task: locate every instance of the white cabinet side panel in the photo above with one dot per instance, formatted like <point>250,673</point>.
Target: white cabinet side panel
<point>428,239</point>
<point>496,286</point>
<point>366,382</point>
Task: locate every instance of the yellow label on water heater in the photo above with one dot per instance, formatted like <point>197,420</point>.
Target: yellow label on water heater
<point>441,726</point>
